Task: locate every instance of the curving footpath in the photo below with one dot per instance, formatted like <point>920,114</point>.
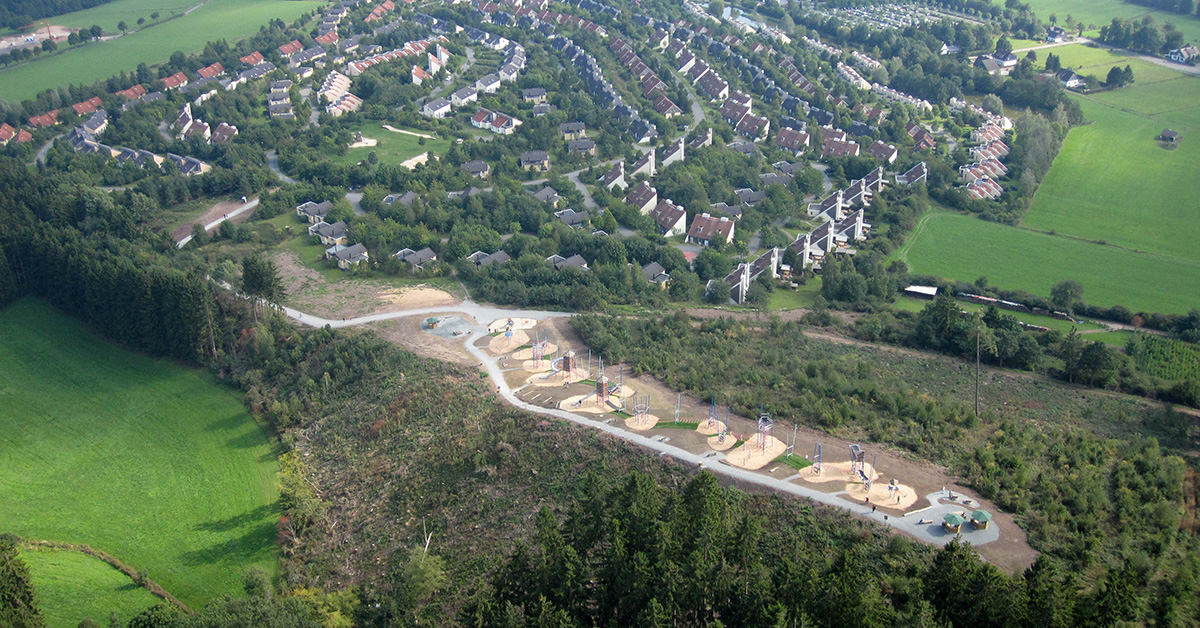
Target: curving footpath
<point>913,523</point>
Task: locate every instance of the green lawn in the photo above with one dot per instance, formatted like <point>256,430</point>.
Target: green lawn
<point>966,248</point>
<point>110,14</point>
<point>1113,181</point>
<point>800,298</point>
<point>144,459</point>
<point>217,19</point>
<point>1101,12</point>
<point>392,147</point>
<point>71,586</point>
<point>1111,338</point>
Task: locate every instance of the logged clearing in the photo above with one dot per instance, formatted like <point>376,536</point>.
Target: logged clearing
<point>144,459</point>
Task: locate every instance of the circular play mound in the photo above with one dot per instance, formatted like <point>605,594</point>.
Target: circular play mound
<point>503,343</point>
<point>641,424</point>
<point>896,496</point>
<point>709,430</point>
<point>714,442</point>
<point>836,472</point>
<point>527,353</point>
<point>752,455</point>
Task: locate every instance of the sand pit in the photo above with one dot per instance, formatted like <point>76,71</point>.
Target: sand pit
<point>415,297</point>
<point>589,405</point>
<point>835,472</point>
<point>364,143</point>
<point>502,343</point>
<point>500,324</point>
<point>413,162</point>
<point>751,454</point>
<point>715,428</point>
<point>714,442</point>
<point>882,496</point>
<point>641,425</point>
<point>527,354</point>
<point>536,366</point>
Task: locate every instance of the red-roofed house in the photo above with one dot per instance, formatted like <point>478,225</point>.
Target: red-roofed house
<point>44,120</point>
<point>253,58</point>
<point>706,228</point>
<point>24,136</point>
<point>291,48</point>
<point>7,132</point>
<point>329,38</point>
<point>176,80</point>
<point>137,91</point>
<point>211,71</point>
<point>88,106</point>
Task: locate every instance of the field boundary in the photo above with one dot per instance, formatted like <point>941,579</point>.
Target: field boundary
<point>153,587</point>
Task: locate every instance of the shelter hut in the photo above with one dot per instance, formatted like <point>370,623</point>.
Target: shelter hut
<point>953,522</point>
<point>980,519</point>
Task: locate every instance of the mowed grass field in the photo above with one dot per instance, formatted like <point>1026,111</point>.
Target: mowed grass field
<point>391,147</point>
<point>964,247</point>
<point>231,20</point>
<point>1101,13</point>
<point>71,586</point>
<point>1114,182</point>
<point>144,459</point>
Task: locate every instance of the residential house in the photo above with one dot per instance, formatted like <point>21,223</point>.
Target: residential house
<point>670,218</point>
<point>922,138</point>
<point>1169,135</point>
<point>479,169</point>
<point>749,197</point>
<point>211,71</point>
<point>349,256</point>
<point>883,152</point>
<point>656,274</point>
<point>707,229</point>
<point>479,258</point>
<point>406,199</point>
<point>133,93</point>
<point>535,95</point>
<point>175,81</point>
<point>290,48</point>
<point>572,130</point>
<point>572,218</point>
<point>548,195</point>
<point>96,123</point>
<point>1055,34</point>
<point>792,140</point>
<point>437,108</point>
<point>7,133</point>
<point>644,166</point>
<point>314,212</point>
<point>488,84</point>
<point>418,260</point>
<point>535,160</point>
<point>1184,54</point>
<point>328,234</point>
<point>252,59</point>
<point>673,152</point>
<point>642,196</point>
<point>464,96</point>
<point>584,146</point>
<point>615,177</point>
<point>575,261</point>
<point>1069,79</point>
<point>915,175</point>
<point>642,131</point>
<point>754,127</point>
<point>88,106</point>
<point>839,148</point>
<point>665,107</point>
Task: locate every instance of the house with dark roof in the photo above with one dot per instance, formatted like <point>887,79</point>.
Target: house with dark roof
<point>535,95</point>
<point>418,260</point>
<point>314,212</point>
<point>914,175</point>
<point>583,145</point>
<point>656,274</point>
<point>476,168</point>
<point>347,257</point>
<point>615,177</point>
<point>405,199</point>
<point>883,152</point>
<point>670,218</point>
<point>642,196</point>
<point>575,261</point>
<point>479,258</point>
<point>1069,79</point>
<point>548,195</point>
<point>572,130</point>
<point>535,160</point>
<point>328,234</point>
<point>572,218</point>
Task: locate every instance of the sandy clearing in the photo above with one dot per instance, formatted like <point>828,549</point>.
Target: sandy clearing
<point>641,424</point>
<point>413,133</point>
<point>365,143</point>
<point>413,162</point>
<point>413,297</point>
<point>753,455</point>
<point>213,213</point>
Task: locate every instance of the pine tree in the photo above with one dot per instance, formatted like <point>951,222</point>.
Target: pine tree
<point>18,604</point>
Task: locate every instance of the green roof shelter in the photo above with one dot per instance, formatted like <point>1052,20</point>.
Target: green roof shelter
<point>981,518</point>
<point>953,522</point>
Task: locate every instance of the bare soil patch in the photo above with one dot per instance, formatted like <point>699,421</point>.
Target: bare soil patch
<point>308,291</point>
<point>407,334</point>
<point>213,213</point>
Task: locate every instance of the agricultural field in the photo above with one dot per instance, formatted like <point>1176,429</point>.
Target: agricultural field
<point>391,147</point>
<point>908,304</point>
<point>141,458</point>
<point>1016,258</point>
<point>217,19</point>
<point>71,586</point>
<point>1165,358</point>
<point>1114,182</point>
<point>1097,13</point>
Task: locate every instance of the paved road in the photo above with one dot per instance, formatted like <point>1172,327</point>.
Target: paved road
<point>213,225</point>
<point>273,164</point>
<point>912,523</point>
<point>355,199</point>
<point>41,154</point>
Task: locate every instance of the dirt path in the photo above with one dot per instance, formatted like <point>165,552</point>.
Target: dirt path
<point>413,133</point>
<point>215,212</point>
<point>308,290</point>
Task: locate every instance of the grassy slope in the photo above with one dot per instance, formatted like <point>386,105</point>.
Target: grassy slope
<point>141,458</point>
<point>218,19</point>
<point>1018,258</point>
<point>1101,12</point>
<point>71,586</point>
<point>392,147</point>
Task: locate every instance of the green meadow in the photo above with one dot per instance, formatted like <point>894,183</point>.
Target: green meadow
<point>71,586</point>
<point>391,147</point>
<point>144,459</point>
<point>1101,12</point>
<point>231,20</point>
<point>965,248</point>
<point>1113,182</point>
